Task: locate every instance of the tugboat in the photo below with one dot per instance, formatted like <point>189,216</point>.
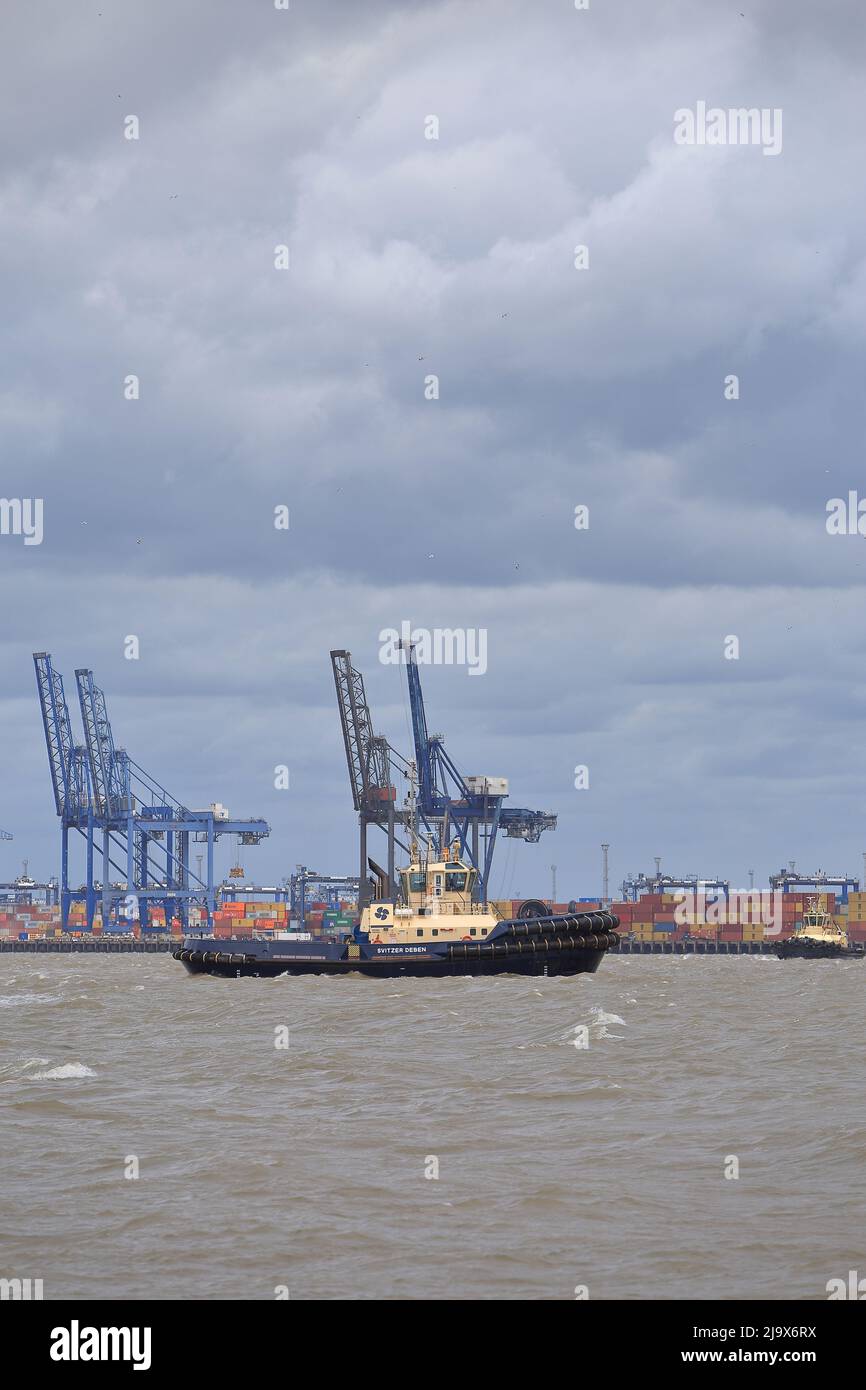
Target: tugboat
<point>434,926</point>
<point>818,937</point>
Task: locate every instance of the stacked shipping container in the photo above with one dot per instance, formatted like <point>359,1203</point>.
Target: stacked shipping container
<point>654,917</point>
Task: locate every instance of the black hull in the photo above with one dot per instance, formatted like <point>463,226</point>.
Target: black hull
<point>570,963</point>
<point>801,950</point>
<point>568,945</point>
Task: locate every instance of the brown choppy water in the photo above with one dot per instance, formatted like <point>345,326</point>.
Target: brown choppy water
<point>558,1166</point>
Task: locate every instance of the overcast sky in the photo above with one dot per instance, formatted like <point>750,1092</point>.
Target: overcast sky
<point>558,387</point>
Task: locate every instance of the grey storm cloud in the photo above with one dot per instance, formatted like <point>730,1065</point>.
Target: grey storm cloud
<point>558,387</point>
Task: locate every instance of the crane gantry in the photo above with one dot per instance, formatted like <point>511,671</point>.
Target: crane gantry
<point>450,805</point>
<point>135,832</point>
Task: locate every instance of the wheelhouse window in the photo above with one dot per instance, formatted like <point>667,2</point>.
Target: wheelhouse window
<point>417,883</point>
<point>455,880</point>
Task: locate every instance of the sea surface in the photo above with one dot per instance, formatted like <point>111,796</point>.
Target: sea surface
<point>309,1170</point>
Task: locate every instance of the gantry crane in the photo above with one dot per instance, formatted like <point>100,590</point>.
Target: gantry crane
<point>137,829</point>
<point>466,805</point>
<point>448,804</point>
<point>368,756</point>
<point>789,881</point>
<point>636,884</point>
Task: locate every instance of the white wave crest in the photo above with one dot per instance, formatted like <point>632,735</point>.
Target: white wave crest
<point>601,1018</point>
<point>69,1071</point>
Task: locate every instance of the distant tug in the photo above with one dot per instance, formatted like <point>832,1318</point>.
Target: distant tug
<point>434,928</point>
<point>819,938</point>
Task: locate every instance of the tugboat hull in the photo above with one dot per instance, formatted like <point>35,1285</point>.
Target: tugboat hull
<point>227,967</point>
<point>546,946</point>
<point>792,949</point>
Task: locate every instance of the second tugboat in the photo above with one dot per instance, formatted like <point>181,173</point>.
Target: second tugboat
<point>818,937</point>
<point>435,927</point>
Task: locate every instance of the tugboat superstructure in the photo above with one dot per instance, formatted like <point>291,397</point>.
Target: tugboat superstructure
<point>818,937</point>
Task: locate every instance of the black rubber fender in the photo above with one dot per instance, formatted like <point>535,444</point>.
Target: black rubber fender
<point>533,907</point>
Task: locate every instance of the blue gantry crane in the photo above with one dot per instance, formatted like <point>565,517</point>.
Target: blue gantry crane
<point>305,884</point>
<point>135,832</point>
<point>635,885</point>
<point>5,835</point>
<point>468,807</point>
<point>789,882</point>
<point>69,777</point>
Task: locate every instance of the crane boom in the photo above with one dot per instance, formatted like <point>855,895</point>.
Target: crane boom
<point>109,767</point>
<point>421,738</point>
<point>58,730</point>
<point>465,803</point>
<point>366,753</point>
